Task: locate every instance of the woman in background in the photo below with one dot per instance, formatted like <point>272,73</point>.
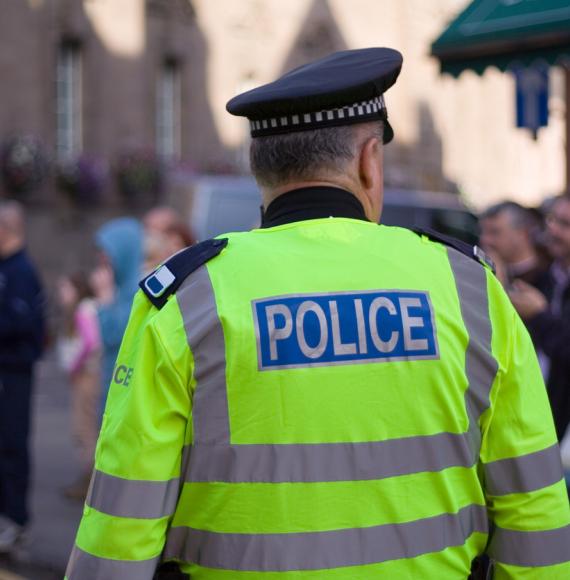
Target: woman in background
<point>80,357</point>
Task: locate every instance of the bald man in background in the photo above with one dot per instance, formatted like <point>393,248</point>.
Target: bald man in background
<point>21,343</point>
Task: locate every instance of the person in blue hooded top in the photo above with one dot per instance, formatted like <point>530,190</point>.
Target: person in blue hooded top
<point>115,281</point>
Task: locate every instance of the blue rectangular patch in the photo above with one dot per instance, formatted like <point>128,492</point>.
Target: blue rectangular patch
<point>344,328</point>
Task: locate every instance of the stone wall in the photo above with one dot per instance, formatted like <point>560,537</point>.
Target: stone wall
<point>451,134</point>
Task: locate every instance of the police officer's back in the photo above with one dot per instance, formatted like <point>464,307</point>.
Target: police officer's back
<point>324,397</point>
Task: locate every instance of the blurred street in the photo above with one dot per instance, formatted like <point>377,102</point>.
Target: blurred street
<point>54,519</point>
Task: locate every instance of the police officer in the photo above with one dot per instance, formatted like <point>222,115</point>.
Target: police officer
<point>324,397</point>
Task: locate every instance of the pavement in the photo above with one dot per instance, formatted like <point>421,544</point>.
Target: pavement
<point>54,518</point>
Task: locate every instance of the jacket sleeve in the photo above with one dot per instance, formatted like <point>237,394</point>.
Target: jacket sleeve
<point>136,481</point>
<point>525,491</point>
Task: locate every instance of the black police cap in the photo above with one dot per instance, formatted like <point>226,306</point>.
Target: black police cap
<point>343,88</point>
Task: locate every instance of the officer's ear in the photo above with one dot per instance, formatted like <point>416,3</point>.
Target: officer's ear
<point>371,175</point>
<point>371,163</point>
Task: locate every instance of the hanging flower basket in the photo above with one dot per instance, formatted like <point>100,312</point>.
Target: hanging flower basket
<point>82,179</point>
<point>23,165</point>
<point>139,175</point>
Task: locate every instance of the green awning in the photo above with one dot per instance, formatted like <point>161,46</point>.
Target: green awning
<point>504,34</point>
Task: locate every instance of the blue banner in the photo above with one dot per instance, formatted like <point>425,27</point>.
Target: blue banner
<point>532,87</point>
<point>344,328</point>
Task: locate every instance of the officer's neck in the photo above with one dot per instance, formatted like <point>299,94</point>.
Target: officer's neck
<point>340,182</point>
<point>312,202</point>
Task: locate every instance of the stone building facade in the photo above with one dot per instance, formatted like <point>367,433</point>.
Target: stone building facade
<point>450,133</point>
<point>100,77</point>
<point>120,57</point>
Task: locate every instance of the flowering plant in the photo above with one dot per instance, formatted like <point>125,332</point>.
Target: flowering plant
<point>139,174</point>
<point>82,179</point>
<point>23,164</point>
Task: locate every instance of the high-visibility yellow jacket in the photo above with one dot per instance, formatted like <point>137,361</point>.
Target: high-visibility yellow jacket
<point>327,399</point>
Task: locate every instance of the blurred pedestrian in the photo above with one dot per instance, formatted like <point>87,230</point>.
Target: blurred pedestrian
<point>165,234</point>
<point>160,218</point>
<point>508,232</point>
<point>79,349</point>
<point>21,343</point>
<point>546,311</point>
<point>114,283</point>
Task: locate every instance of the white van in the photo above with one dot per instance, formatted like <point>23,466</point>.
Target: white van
<point>229,203</point>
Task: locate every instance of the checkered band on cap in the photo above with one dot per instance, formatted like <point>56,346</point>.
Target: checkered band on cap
<point>361,112</point>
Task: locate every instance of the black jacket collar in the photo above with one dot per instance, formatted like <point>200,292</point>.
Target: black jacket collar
<point>311,203</point>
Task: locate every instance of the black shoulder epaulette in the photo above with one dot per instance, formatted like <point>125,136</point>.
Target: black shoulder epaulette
<point>168,277</point>
<point>473,252</point>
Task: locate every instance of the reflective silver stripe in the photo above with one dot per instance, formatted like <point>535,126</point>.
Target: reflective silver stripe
<point>328,461</point>
<point>525,473</point>
<point>84,566</point>
<point>321,550</point>
<point>132,498</point>
<point>185,464</point>
<point>544,548</point>
<point>206,340</point>
<point>480,365</point>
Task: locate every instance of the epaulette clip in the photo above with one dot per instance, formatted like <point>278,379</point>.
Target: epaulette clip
<point>484,258</point>
<point>167,278</point>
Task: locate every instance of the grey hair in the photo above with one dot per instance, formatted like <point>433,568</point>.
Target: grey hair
<point>519,216</point>
<point>307,155</point>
